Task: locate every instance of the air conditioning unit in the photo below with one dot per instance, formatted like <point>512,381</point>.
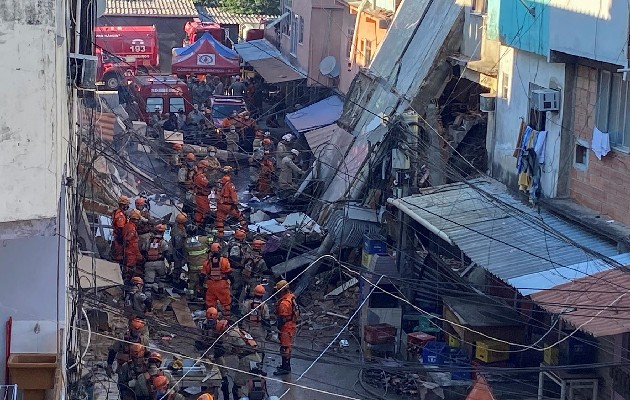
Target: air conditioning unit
<point>546,100</point>
<point>82,70</point>
<point>487,102</point>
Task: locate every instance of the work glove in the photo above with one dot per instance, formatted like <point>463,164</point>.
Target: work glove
<point>109,370</point>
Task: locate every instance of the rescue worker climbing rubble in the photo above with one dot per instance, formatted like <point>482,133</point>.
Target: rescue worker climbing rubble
<point>240,344</point>
<point>202,191</point>
<point>284,147</point>
<point>130,370</point>
<point>227,204</point>
<point>288,172</point>
<point>120,350</point>
<point>256,321</point>
<point>185,177</point>
<point>255,270</point>
<point>177,245</point>
<point>287,313</point>
<point>161,388</point>
<point>237,250</point>
<point>145,224</point>
<point>133,257</point>
<point>144,385</point>
<point>137,299</point>
<point>267,169</point>
<point>215,272</point>
<point>156,251</point>
<point>119,219</point>
<point>213,173</point>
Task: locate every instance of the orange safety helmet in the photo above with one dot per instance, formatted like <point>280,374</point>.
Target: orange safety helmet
<point>136,350</point>
<point>259,290</point>
<point>140,202</point>
<point>212,313</point>
<point>136,323</point>
<point>239,234</point>
<point>177,146</point>
<point>155,357</point>
<point>181,218</point>
<point>137,280</point>
<point>258,244</point>
<point>135,214</point>
<point>225,180</point>
<point>205,396</point>
<point>190,157</point>
<point>161,228</point>
<point>221,325</point>
<point>160,381</point>
<point>123,200</point>
<point>215,247</point>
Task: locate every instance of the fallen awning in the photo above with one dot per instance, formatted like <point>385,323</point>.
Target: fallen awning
<point>268,61</point>
<point>98,273</point>
<point>477,217</point>
<point>598,304</point>
<point>317,115</point>
<point>329,146</point>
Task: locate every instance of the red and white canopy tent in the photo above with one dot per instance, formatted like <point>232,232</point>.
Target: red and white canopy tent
<point>205,56</point>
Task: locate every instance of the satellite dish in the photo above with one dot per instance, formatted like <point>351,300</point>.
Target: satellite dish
<point>329,67</point>
<point>101,5</point>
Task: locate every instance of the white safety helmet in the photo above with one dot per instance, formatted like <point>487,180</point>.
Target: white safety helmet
<point>288,137</point>
<point>295,152</point>
<point>267,133</point>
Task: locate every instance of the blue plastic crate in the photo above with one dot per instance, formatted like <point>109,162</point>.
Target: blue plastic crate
<point>375,244</point>
<point>435,353</point>
<point>461,372</point>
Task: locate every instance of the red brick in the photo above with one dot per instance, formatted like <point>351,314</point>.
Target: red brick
<point>583,72</point>
<point>592,85</point>
<point>592,74</point>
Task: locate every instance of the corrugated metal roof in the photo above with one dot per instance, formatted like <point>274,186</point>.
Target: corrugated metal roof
<point>533,283</point>
<point>222,17</point>
<point>156,8</point>
<point>504,244</point>
<point>316,115</point>
<point>598,304</point>
<point>267,61</point>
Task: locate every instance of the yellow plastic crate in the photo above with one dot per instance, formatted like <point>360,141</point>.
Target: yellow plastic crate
<point>490,351</point>
<point>453,341</point>
<point>552,355</point>
<point>366,258</point>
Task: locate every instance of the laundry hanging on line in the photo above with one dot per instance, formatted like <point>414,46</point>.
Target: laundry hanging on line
<point>600,143</point>
<point>528,164</point>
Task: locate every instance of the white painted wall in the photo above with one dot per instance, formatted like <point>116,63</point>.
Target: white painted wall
<point>521,68</point>
<point>593,29</point>
<point>34,118</point>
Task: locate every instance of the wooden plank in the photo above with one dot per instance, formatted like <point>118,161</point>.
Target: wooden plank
<point>343,287</point>
<point>182,313</point>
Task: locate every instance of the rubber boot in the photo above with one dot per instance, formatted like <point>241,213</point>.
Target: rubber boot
<point>225,388</point>
<point>285,368</point>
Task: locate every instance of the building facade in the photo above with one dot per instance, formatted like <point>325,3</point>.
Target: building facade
<point>38,170</point>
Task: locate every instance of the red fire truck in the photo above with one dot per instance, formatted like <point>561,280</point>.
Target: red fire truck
<point>123,50</point>
<point>165,93</point>
<point>196,28</point>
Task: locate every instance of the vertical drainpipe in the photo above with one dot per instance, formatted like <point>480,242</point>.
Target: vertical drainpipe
<point>355,37</point>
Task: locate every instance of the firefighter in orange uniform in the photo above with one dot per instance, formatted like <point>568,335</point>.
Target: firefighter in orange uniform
<point>266,174</point>
<point>133,257</point>
<point>202,190</point>
<point>227,203</point>
<point>119,219</point>
<point>215,272</point>
<point>287,313</point>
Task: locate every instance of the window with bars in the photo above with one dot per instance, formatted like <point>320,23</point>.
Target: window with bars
<point>367,52</point>
<point>301,30</point>
<point>349,42</point>
<point>612,106</point>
